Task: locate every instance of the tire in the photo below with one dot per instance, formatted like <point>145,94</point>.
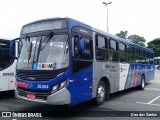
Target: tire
<point>100,93</point>
<point>142,86</point>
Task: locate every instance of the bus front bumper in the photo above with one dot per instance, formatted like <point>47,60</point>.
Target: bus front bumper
<point>60,97</point>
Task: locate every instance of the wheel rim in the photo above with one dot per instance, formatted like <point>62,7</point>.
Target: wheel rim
<point>143,83</point>
<point>101,93</point>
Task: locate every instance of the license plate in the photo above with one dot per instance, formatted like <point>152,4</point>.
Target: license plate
<point>31,96</point>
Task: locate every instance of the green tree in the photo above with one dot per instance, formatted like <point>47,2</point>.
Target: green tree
<point>134,38</point>
<point>155,46</point>
<point>122,34</point>
<point>137,39</point>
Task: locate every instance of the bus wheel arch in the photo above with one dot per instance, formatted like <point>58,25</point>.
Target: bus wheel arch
<point>107,84</point>
<point>103,91</point>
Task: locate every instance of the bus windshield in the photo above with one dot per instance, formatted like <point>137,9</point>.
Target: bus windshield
<point>39,53</point>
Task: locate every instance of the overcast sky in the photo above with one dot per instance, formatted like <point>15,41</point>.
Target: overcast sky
<point>139,17</point>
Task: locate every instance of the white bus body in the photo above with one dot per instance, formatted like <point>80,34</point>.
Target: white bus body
<point>7,66</point>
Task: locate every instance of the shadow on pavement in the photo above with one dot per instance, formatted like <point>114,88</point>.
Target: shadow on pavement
<point>6,94</point>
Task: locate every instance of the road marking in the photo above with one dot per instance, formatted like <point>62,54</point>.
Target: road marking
<point>150,102</point>
<point>152,89</point>
<point>153,100</point>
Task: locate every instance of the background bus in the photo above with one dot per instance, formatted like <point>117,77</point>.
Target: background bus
<point>64,61</point>
<point>7,66</point>
<point>157,62</point>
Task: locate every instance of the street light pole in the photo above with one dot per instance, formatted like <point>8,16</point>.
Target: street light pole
<point>106,4</point>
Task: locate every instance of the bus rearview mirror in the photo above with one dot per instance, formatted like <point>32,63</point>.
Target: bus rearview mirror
<point>15,44</point>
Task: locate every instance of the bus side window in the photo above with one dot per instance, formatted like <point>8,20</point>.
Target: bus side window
<point>147,58</point>
<point>130,52</point>
<point>82,53</point>
<point>1,59</point>
<point>86,53</point>
<point>76,47</point>
<point>5,59</point>
<point>101,48</point>
<point>151,58</point>
<point>122,52</point>
<point>113,52</point>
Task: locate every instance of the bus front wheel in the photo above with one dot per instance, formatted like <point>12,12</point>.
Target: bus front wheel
<point>100,93</point>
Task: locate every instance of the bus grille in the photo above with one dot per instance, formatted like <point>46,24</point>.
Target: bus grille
<point>39,75</point>
<point>35,75</point>
<point>23,93</point>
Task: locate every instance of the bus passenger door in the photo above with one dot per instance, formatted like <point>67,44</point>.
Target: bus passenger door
<point>82,67</point>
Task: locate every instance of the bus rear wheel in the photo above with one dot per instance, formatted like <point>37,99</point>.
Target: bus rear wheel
<point>100,93</point>
<point>142,86</point>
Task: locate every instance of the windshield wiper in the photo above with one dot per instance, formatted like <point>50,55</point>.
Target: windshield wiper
<point>27,39</point>
<point>30,51</point>
<point>43,43</point>
<point>29,47</point>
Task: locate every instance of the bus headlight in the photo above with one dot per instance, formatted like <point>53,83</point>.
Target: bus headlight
<point>55,87</point>
<point>59,86</point>
<point>63,84</point>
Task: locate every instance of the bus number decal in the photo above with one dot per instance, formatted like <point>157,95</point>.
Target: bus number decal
<point>42,86</point>
<point>8,74</point>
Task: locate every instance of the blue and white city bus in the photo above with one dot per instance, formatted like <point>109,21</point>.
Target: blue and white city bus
<point>64,61</point>
<point>7,65</point>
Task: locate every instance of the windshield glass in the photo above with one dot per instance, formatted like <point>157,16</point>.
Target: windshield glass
<point>50,55</point>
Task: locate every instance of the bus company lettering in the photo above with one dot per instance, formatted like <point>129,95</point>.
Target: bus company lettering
<point>45,65</point>
<point>113,68</point>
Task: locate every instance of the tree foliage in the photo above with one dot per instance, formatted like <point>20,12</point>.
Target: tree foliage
<point>155,46</point>
<point>137,39</point>
<point>134,38</point>
<point>122,34</point>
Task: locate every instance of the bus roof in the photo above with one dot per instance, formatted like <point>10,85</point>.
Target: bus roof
<point>110,35</point>
<point>74,22</point>
<point>47,19</point>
